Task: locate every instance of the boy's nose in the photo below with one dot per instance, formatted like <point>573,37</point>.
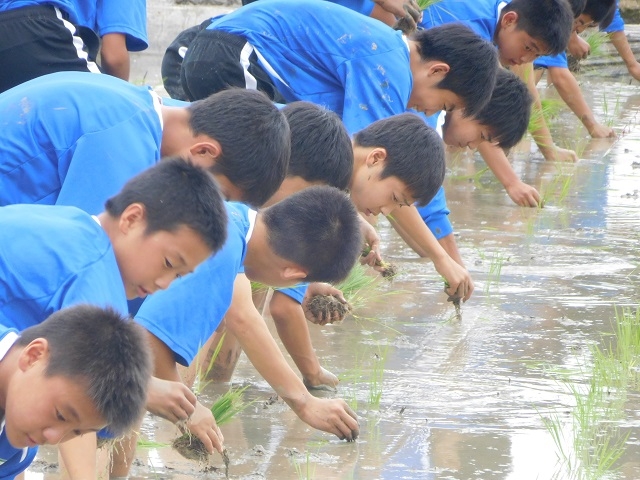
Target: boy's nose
<point>53,435</point>
<point>163,282</point>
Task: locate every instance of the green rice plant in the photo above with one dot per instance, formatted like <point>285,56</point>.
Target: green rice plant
<point>594,444</point>
<point>560,185</point>
<point>359,287</point>
<point>424,4</point>
<point>377,376</point>
<point>201,375</point>
<point>550,109</point>
<point>306,470</point>
<point>495,270</point>
<point>257,287</point>
<point>144,443</point>
<point>229,404</point>
<point>596,40</point>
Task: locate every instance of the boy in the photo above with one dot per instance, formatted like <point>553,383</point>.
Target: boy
<point>586,14</point>
<point>522,30</point>
<point>38,37</point>
<point>72,129</point>
<point>420,166</point>
<point>372,189</point>
<point>62,378</point>
<point>354,65</point>
<point>163,223</point>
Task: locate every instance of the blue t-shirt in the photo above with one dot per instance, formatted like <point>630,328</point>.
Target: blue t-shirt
<point>295,293</point>
<point>12,460</point>
<point>436,215</point>
<point>54,257</point>
<point>187,313</point>
<point>364,7</point>
<point>74,138</point>
<point>550,61</point>
<point>115,16</point>
<point>329,55</point>
<point>480,15</point>
<point>617,24</point>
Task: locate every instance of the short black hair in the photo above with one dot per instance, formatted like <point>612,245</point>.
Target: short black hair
<point>318,229</point>
<point>415,153</point>
<point>507,113</point>
<point>105,351</point>
<point>320,145</point>
<point>601,11</point>
<point>175,193</point>
<point>577,6</point>
<point>472,61</point>
<point>549,21</point>
<point>254,136</point>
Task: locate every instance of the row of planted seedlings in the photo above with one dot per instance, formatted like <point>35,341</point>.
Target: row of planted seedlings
<point>589,439</point>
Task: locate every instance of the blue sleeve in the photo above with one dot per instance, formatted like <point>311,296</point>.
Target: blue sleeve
<point>371,92</point>
<point>296,293</point>
<point>617,24</point>
<point>547,61</point>
<point>365,7</point>
<point>16,460</point>
<point>436,215</point>
<point>186,314</point>
<point>124,16</point>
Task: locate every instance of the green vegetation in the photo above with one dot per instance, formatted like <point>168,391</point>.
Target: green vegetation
<point>590,443</point>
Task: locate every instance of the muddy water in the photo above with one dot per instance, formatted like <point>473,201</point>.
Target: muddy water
<point>465,399</point>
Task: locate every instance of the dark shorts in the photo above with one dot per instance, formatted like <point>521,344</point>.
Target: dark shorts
<point>173,58</point>
<point>35,41</point>
<point>214,62</point>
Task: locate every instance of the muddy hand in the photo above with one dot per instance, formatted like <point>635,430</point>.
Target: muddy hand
<point>324,380</point>
<point>203,425</point>
<point>332,416</point>
<point>173,401</point>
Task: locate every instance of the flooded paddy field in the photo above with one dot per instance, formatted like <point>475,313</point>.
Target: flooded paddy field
<point>515,390</point>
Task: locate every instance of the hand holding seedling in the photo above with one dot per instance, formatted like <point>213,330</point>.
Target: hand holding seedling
<point>203,425</point>
<point>324,304</point>
<point>372,243</point>
<point>523,194</point>
<point>578,47</point>
<point>173,401</point>
<point>458,282</point>
<point>331,415</point>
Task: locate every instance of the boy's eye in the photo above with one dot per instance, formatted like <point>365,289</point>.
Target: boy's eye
<point>60,417</point>
<point>167,263</point>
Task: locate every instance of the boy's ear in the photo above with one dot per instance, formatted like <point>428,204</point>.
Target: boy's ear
<point>37,350</point>
<point>439,69</point>
<point>509,19</point>
<point>205,154</point>
<point>132,216</point>
<point>376,156</point>
<point>294,273</point>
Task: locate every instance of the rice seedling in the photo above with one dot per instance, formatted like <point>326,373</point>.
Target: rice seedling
<point>144,443</point>
<point>590,444</point>
<point>423,4</point>
<point>305,470</point>
<point>201,375</point>
<point>377,376</point>
<point>229,404</point>
<point>550,109</point>
<point>495,270</point>
<point>596,40</point>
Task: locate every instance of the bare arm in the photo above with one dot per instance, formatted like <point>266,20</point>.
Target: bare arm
<point>114,57</point>
<point>200,422</point>
<point>293,330</point>
<point>521,193</point>
<point>541,133</point>
<point>620,42</point>
<point>410,226</point>
<point>569,90</point>
<point>330,415</point>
